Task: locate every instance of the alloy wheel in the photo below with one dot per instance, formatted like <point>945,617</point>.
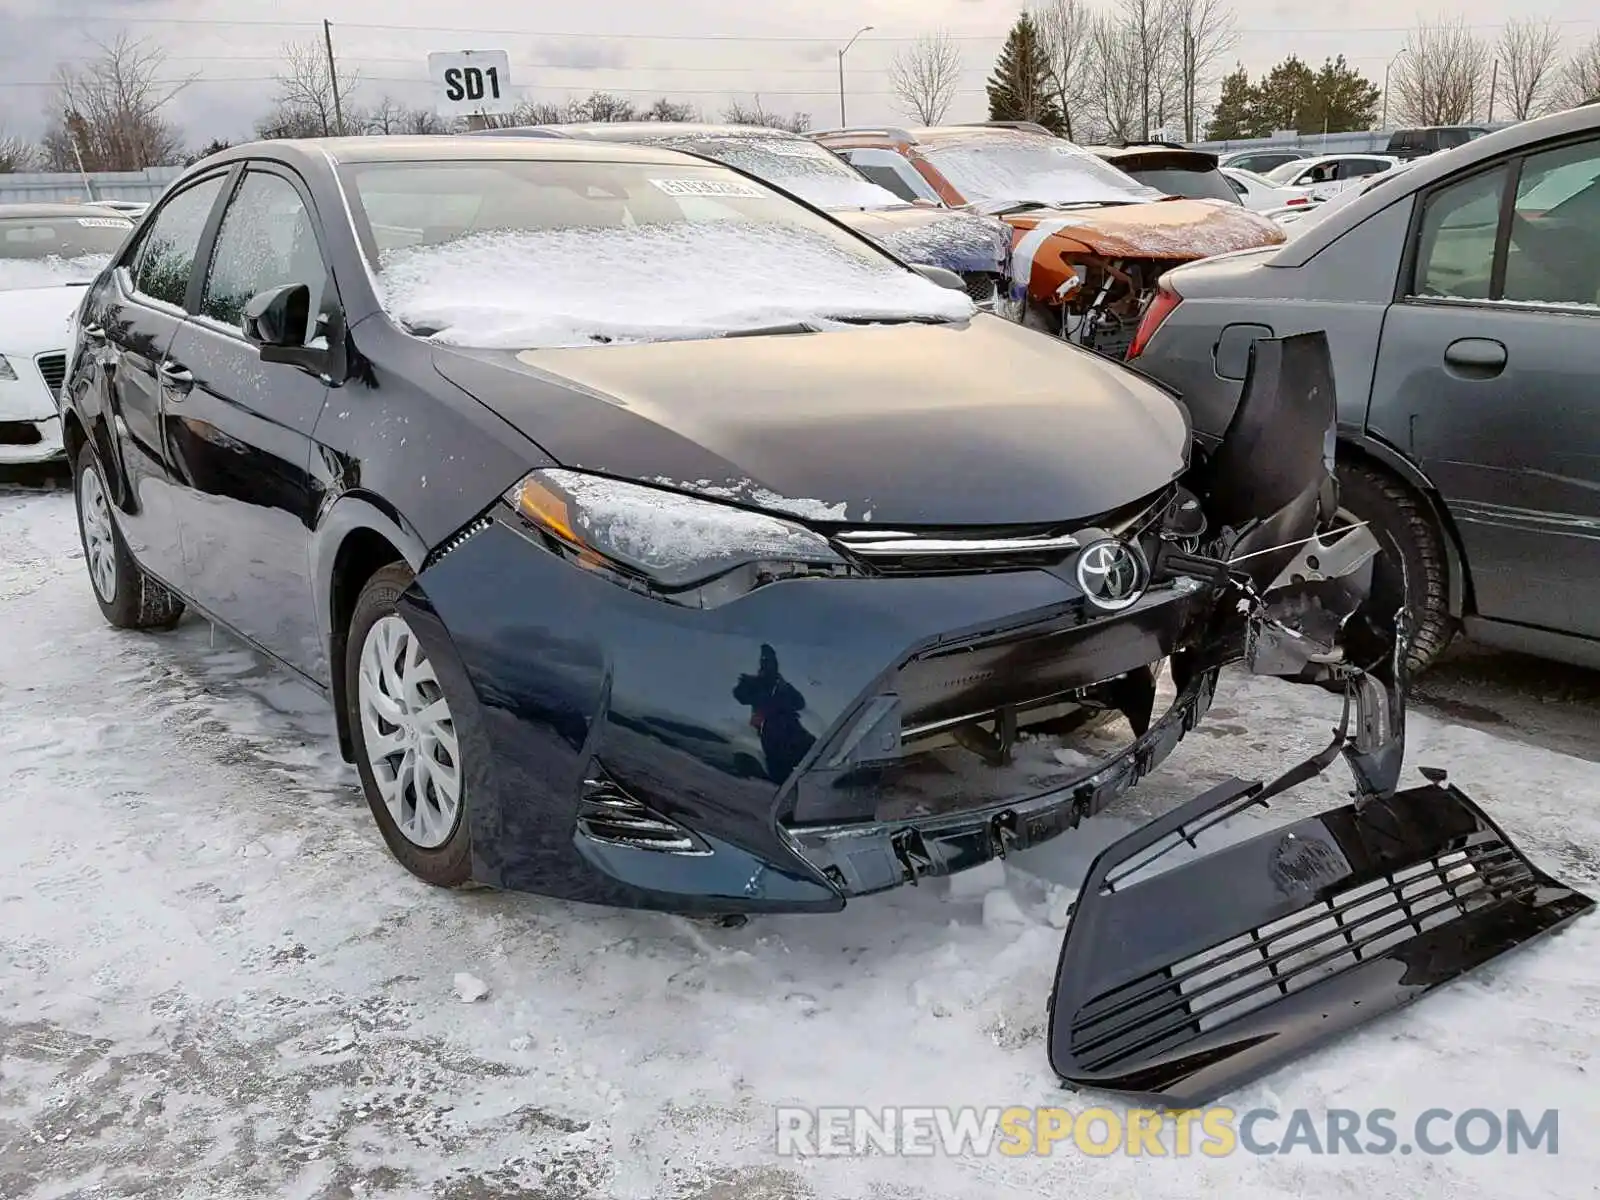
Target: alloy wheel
<point>410,736</point>
<point>99,543</point>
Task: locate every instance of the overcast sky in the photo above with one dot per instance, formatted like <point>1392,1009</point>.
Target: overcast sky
<point>703,51</point>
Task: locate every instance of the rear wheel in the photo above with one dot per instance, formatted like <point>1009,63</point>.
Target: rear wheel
<point>407,749</point>
<point>1412,570</point>
<point>128,598</point>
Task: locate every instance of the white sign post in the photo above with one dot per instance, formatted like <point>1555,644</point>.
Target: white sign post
<point>471,83</point>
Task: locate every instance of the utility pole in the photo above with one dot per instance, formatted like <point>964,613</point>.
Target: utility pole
<point>333,76</point>
<point>1384,123</point>
<point>1494,80</point>
<point>847,45</point>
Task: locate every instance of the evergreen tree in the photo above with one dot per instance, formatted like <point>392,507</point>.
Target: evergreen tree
<point>1346,99</point>
<point>1286,98</point>
<point>1234,115</point>
<point>1020,88</point>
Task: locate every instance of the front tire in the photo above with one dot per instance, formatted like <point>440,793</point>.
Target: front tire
<point>407,750</point>
<point>128,598</point>
<point>1412,570</point>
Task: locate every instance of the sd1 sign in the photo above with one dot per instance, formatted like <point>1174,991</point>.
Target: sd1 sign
<point>471,81</point>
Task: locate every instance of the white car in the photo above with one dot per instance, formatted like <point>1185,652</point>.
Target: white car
<point>1260,194</point>
<point>1296,220</point>
<point>1329,174</point>
<point>48,253</point>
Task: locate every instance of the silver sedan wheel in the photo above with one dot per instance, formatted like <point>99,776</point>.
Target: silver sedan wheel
<point>410,736</point>
<point>99,545</point>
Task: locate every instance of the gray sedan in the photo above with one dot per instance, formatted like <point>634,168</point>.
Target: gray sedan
<point>1462,305</point>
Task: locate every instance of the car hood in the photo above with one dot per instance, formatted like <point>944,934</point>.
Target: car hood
<point>981,423</point>
<point>957,241</point>
<point>1174,229</point>
<point>36,320</point>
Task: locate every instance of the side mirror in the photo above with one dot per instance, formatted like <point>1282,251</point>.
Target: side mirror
<point>941,276</point>
<point>278,317</point>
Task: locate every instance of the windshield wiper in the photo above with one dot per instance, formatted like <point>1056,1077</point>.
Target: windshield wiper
<point>772,330</point>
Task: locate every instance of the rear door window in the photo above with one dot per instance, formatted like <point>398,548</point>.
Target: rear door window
<point>1553,254</point>
<point>1460,225</point>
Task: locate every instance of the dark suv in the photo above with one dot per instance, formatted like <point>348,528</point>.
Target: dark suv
<point>1415,143</point>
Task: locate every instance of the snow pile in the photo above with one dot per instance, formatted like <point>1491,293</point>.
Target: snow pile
<point>527,289</point>
<point>960,241</point>
<point>747,491</point>
<point>816,175</point>
<point>1000,166</point>
<point>51,271</point>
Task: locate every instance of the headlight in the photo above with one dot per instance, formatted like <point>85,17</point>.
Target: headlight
<point>6,372</point>
<point>666,539</point>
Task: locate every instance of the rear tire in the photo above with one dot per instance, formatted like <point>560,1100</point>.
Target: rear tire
<point>406,746</point>
<point>128,598</point>
<point>1413,569</point>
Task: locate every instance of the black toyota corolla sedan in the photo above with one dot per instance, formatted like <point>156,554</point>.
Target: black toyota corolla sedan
<point>659,540</point>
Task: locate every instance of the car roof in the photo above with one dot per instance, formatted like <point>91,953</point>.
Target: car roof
<point>1365,154</point>
<point>647,131</point>
<point>35,211</point>
<point>1425,172</point>
<point>445,148</point>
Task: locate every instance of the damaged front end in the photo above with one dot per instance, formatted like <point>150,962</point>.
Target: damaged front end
<point>1182,977</point>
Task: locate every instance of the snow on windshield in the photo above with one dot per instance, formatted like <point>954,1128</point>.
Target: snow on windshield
<point>52,271</point>
<point>536,289</point>
<point>994,167</point>
<point>816,175</point>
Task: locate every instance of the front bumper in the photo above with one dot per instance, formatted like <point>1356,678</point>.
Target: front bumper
<point>23,442</point>
<point>743,727</point>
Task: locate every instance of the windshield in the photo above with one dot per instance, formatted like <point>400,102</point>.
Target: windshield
<point>56,251</point>
<point>818,176</point>
<point>526,254</point>
<point>1290,170</point>
<point>1196,183</point>
<point>1449,138</point>
<point>1000,167</point>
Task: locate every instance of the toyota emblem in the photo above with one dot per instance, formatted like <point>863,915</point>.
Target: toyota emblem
<point>1112,574</point>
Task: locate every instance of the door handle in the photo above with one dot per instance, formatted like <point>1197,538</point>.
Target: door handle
<point>177,379</point>
<point>1479,358</point>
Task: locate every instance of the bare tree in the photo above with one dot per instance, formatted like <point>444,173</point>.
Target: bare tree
<point>1202,38</point>
<point>670,110</point>
<point>1443,77</point>
<point>1529,54</point>
<point>309,96</point>
<point>107,112</point>
<point>602,106</point>
<point>17,153</point>
<point>1580,77</point>
<point>1146,29</point>
<point>737,113</point>
<point>1067,36</point>
<point>923,77</point>
<point>1116,97</point>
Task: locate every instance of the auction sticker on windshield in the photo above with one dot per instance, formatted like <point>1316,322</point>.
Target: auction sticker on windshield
<point>708,187</point>
<point>104,223</point>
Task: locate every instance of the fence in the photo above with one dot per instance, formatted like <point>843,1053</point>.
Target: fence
<point>54,187</point>
<point>1365,141</point>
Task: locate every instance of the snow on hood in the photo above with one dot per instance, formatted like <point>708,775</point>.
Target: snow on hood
<point>976,243</point>
<point>19,273</point>
<point>1172,228</point>
<point>37,320</point>
<point>815,174</point>
<point>525,289</point>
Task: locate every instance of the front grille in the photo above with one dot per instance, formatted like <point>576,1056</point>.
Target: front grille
<point>982,286</point>
<point>1173,1005</point>
<point>54,369</point>
<point>19,433</point>
<point>932,551</point>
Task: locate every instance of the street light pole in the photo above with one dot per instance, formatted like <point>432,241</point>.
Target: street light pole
<point>847,45</point>
<point>1384,124</point>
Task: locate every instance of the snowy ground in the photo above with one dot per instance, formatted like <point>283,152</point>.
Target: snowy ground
<point>214,982</point>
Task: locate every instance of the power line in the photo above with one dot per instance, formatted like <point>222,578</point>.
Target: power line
<point>121,19</point>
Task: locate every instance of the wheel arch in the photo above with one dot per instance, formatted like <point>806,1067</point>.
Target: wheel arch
<point>1388,459</point>
<point>355,539</point>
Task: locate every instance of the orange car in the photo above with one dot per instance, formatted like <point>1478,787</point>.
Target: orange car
<point>1089,242</point>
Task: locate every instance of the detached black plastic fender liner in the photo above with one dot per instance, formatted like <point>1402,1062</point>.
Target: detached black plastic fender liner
<point>1177,987</point>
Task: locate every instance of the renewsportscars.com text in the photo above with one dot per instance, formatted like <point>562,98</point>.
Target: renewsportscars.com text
<point>1209,1132</point>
